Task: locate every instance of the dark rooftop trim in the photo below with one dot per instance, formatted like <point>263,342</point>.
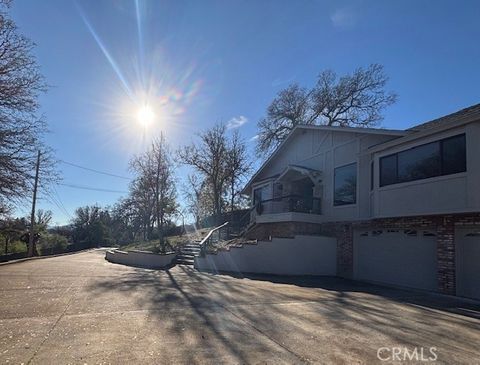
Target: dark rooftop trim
<point>466,113</point>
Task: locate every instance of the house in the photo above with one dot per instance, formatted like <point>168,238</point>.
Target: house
<point>400,207</point>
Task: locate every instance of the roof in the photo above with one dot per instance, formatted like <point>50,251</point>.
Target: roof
<point>365,130</point>
<point>463,116</point>
<point>453,120</point>
<point>457,117</point>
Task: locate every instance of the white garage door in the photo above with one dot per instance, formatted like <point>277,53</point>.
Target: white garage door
<point>468,262</point>
<point>399,257</point>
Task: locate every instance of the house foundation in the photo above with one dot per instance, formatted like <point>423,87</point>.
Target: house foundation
<point>442,226</point>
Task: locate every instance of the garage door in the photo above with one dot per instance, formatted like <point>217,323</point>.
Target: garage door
<point>399,257</point>
<point>468,262</point>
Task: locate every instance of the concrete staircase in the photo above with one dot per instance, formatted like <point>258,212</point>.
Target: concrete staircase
<point>188,252</point>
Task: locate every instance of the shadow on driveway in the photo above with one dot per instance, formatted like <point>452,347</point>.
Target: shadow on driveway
<point>299,313</point>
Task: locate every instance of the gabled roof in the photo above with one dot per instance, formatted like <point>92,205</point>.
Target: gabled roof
<point>457,117</point>
<point>461,117</point>
<point>393,132</point>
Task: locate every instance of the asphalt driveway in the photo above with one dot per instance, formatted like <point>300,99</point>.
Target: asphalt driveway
<point>81,309</point>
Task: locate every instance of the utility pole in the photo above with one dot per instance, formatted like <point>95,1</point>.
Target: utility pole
<point>32,216</point>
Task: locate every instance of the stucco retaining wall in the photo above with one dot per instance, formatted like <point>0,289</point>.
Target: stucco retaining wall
<point>140,258</point>
<point>301,255</point>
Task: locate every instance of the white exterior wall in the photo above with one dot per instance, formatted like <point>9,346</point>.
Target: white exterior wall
<point>324,151</point>
<point>454,193</point>
<point>140,258</point>
<point>302,255</point>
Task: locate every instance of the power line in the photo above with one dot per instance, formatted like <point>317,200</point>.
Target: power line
<point>83,187</point>
<point>52,200</point>
<point>60,201</point>
<point>96,171</point>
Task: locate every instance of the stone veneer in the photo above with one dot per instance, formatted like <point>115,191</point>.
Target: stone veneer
<point>343,231</point>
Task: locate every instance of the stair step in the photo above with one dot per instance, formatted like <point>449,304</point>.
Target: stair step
<point>188,257</point>
<point>184,262</point>
<point>190,249</point>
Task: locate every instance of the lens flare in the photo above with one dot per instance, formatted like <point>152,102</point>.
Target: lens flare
<point>145,115</point>
<point>151,93</point>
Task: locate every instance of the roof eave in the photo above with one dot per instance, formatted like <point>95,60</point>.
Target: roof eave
<point>422,133</point>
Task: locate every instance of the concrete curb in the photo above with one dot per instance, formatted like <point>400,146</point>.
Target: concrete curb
<point>47,256</point>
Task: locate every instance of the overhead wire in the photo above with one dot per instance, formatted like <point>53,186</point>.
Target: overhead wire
<point>84,187</point>
<point>95,170</point>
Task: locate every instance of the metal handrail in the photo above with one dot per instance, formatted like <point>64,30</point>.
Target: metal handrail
<point>279,198</point>
<point>207,239</point>
<point>292,199</point>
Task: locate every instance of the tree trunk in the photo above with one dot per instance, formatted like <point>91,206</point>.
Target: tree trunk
<point>31,244</point>
<point>217,205</point>
<point>157,206</point>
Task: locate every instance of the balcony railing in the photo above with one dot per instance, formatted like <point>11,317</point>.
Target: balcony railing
<point>289,203</point>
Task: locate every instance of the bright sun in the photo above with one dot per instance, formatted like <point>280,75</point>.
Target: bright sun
<point>145,115</point>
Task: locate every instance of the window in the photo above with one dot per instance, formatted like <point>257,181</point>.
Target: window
<point>277,191</point>
<point>419,163</point>
<point>388,170</point>
<point>444,157</point>
<point>345,185</point>
<point>454,155</point>
<point>259,194</point>
<point>410,232</point>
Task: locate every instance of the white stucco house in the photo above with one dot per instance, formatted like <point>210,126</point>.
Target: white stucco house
<point>400,207</point>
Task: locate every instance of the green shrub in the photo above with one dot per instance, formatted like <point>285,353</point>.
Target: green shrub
<point>52,243</point>
<point>13,247</point>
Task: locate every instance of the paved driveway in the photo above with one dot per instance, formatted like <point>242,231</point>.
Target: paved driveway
<point>82,309</point>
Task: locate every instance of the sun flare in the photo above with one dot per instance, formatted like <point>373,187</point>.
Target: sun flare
<point>145,115</point>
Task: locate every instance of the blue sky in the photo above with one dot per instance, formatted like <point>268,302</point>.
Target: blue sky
<point>201,62</point>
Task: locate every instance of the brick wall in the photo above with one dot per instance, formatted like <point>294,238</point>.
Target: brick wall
<point>444,225</point>
<point>446,255</point>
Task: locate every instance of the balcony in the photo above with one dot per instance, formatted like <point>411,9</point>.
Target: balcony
<point>288,208</point>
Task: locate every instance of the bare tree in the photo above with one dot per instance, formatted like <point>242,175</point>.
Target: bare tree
<point>43,219</point>
<point>21,129</point>
<point>155,167</point>
<point>192,191</point>
<point>142,201</point>
<point>209,159</point>
<point>356,99</point>
<point>238,166</point>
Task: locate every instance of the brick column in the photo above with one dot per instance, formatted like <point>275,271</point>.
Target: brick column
<point>446,256</point>
<point>345,251</point>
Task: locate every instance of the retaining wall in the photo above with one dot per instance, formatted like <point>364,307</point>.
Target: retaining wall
<point>140,258</point>
<point>301,255</point>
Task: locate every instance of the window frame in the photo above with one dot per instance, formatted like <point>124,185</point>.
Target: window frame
<point>442,172</point>
<point>372,175</point>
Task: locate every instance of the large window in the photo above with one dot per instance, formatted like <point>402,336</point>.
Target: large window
<point>419,162</point>
<point>345,185</point>
<point>444,157</point>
